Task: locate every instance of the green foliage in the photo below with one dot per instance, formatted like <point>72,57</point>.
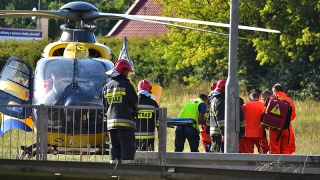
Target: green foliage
<point>294,53</point>
<point>29,51</point>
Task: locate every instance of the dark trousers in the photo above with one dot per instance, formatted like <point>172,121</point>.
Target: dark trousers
<point>186,132</point>
<point>216,145</point>
<point>122,145</point>
<point>145,144</point>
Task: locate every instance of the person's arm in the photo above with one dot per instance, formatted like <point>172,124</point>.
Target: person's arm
<point>202,108</point>
<point>132,96</point>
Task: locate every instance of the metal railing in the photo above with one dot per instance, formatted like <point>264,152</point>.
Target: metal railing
<point>73,133</point>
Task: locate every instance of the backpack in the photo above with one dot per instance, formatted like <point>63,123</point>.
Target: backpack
<point>276,114</point>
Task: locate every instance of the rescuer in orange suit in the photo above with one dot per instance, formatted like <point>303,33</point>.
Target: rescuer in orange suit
<point>286,144</point>
<point>254,132</point>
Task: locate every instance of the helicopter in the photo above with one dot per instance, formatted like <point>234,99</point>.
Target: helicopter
<point>71,72</point>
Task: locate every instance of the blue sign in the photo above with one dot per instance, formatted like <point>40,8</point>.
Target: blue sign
<point>23,34</point>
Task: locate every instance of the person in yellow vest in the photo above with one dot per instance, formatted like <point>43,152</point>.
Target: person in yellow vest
<point>146,119</point>
<point>195,110</point>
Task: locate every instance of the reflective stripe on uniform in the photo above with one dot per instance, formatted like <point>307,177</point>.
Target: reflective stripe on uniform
<point>145,114</point>
<point>116,89</point>
<point>215,132</point>
<point>127,161</point>
<point>121,122</point>
<point>115,95</point>
<point>221,123</point>
<point>114,161</point>
<point>144,133</point>
<point>145,137</point>
<point>214,128</point>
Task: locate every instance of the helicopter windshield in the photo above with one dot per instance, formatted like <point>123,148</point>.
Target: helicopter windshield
<point>57,80</point>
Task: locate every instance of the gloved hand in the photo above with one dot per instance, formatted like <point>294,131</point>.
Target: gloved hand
<point>205,117</point>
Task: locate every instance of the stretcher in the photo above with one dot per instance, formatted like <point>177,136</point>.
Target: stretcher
<point>180,122</point>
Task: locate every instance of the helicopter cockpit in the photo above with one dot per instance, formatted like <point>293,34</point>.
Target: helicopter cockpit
<point>69,82</point>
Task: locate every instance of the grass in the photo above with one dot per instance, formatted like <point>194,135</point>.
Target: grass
<point>306,126</point>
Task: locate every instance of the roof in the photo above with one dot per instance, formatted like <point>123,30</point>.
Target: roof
<point>127,28</point>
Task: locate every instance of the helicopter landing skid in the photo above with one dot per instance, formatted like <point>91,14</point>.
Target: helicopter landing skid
<point>104,150</point>
<point>28,152</point>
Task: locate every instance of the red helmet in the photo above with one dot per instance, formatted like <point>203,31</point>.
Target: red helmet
<point>123,67</point>
<point>144,85</point>
<point>213,85</point>
<point>221,85</point>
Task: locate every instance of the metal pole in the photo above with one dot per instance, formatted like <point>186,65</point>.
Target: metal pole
<point>39,18</point>
<point>232,91</point>
<point>162,147</point>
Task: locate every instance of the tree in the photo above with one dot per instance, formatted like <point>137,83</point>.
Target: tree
<point>26,23</point>
<point>290,58</point>
<point>294,52</point>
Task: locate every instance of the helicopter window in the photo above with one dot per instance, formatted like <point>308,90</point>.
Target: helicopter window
<point>91,75</point>
<point>94,53</point>
<point>19,65</point>
<point>79,36</point>
<point>59,69</point>
<point>8,73</point>
<point>16,76</point>
<point>58,52</point>
<point>51,79</point>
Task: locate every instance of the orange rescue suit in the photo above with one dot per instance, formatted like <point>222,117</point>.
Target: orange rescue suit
<point>286,144</point>
<point>254,133</point>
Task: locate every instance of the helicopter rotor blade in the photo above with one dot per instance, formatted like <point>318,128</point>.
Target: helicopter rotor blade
<point>91,16</point>
<point>100,15</point>
<point>180,26</point>
<point>43,13</point>
<point>204,23</point>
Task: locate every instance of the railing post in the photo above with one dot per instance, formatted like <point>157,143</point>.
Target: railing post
<point>162,148</point>
<point>42,123</point>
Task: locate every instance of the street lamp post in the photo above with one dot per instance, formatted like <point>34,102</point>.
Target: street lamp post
<point>232,123</point>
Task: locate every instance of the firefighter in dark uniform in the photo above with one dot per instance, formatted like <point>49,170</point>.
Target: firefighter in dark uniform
<point>217,118</point>
<point>121,101</point>
<point>214,131</point>
<point>145,133</point>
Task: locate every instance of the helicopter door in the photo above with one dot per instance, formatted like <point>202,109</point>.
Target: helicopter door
<point>16,87</point>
